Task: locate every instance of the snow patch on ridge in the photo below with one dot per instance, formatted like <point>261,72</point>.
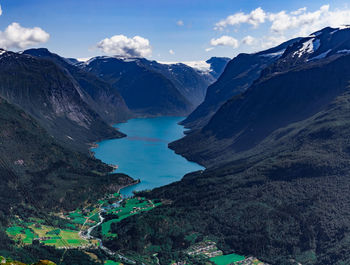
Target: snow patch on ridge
<point>309,46</point>
<point>83,60</point>
<point>344,27</point>
<point>198,65</point>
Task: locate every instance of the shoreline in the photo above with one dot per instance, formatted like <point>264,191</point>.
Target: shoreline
<point>135,182</point>
<point>113,162</point>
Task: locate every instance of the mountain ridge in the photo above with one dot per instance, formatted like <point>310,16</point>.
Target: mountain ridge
<point>238,75</point>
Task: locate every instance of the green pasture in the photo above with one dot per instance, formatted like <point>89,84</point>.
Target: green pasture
<point>227,259</point>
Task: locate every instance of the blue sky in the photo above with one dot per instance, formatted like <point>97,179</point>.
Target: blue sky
<point>76,27</point>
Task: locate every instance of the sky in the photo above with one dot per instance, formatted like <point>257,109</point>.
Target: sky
<point>162,30</point>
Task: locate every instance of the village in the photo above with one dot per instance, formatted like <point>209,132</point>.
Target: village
<point>208,249</point>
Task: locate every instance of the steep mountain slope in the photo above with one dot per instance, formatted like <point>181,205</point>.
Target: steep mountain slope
<point>47,178</point>
<point>238,75</point>
<point>54,176</point>
<point>269,104</point>
<point>146,92</point>
<point>291,89</point>
<point>278,170</point>
<point>47,92</point>
<point>98,94</point>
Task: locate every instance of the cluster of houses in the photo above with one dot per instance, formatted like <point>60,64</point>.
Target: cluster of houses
<point>137,209</point>
<point>207,248</point>
<point>250,261</point>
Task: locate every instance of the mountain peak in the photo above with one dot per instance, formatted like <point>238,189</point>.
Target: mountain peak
<point>38,52</point>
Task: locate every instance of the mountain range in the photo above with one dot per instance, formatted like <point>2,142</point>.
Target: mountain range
<point>151,88</point>
<point>77,104</point>
<point>277,162</point>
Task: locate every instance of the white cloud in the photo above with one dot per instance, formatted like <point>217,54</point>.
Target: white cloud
<point>209,49</point>
<point>283,25</point>
<point>304,21</point>
<point>224,41</point>
<point>248,40</point>
<point>16,36</point>
<point>301,21</point>
<point>171,52</point>
<point>124,46</point>
<point>180,23</point>
<point>299,11</point>
<point>0,10</point>
<point>254,18</point>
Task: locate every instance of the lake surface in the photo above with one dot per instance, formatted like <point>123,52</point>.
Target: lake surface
<point>144,153</point>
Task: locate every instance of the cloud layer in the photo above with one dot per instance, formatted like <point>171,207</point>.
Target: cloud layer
<point>284,25</point>
<point>124,46</point>
<point>301,20</point>
<point>16,36</point>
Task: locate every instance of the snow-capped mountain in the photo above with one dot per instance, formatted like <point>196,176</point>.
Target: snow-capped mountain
<point>328,43</point>
<point>183,85</point>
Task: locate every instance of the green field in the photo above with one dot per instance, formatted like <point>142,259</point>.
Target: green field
<point>66,237</point>
<point>53,236</point>
<point>25,232</point>
<point>111,262</point>
<point>129,207</point>
<point>14,230</point>
<point>226,259</point>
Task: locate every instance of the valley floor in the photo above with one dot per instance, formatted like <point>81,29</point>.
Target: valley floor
<point>85,229</point>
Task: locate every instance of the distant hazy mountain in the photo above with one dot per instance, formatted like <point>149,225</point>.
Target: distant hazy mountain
<point>192,83</point>
<point>152,88</point>
<point>217,65</point>
<point>278,163</point>
<point>238,75</point>
<point>53,97</point>
<point>145,91</point>
<point>192,79</point>
<point>98,94</point>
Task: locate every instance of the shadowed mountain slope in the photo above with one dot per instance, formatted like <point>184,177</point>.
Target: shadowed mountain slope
<point>48,93</point>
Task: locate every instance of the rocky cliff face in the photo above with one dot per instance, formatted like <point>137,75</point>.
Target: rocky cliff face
<point>98,94</point>
<point>47,92</point>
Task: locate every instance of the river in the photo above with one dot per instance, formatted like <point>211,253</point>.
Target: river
<point>144,153</point>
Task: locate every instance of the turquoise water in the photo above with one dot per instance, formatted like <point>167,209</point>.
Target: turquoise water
<point>144,153</point>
